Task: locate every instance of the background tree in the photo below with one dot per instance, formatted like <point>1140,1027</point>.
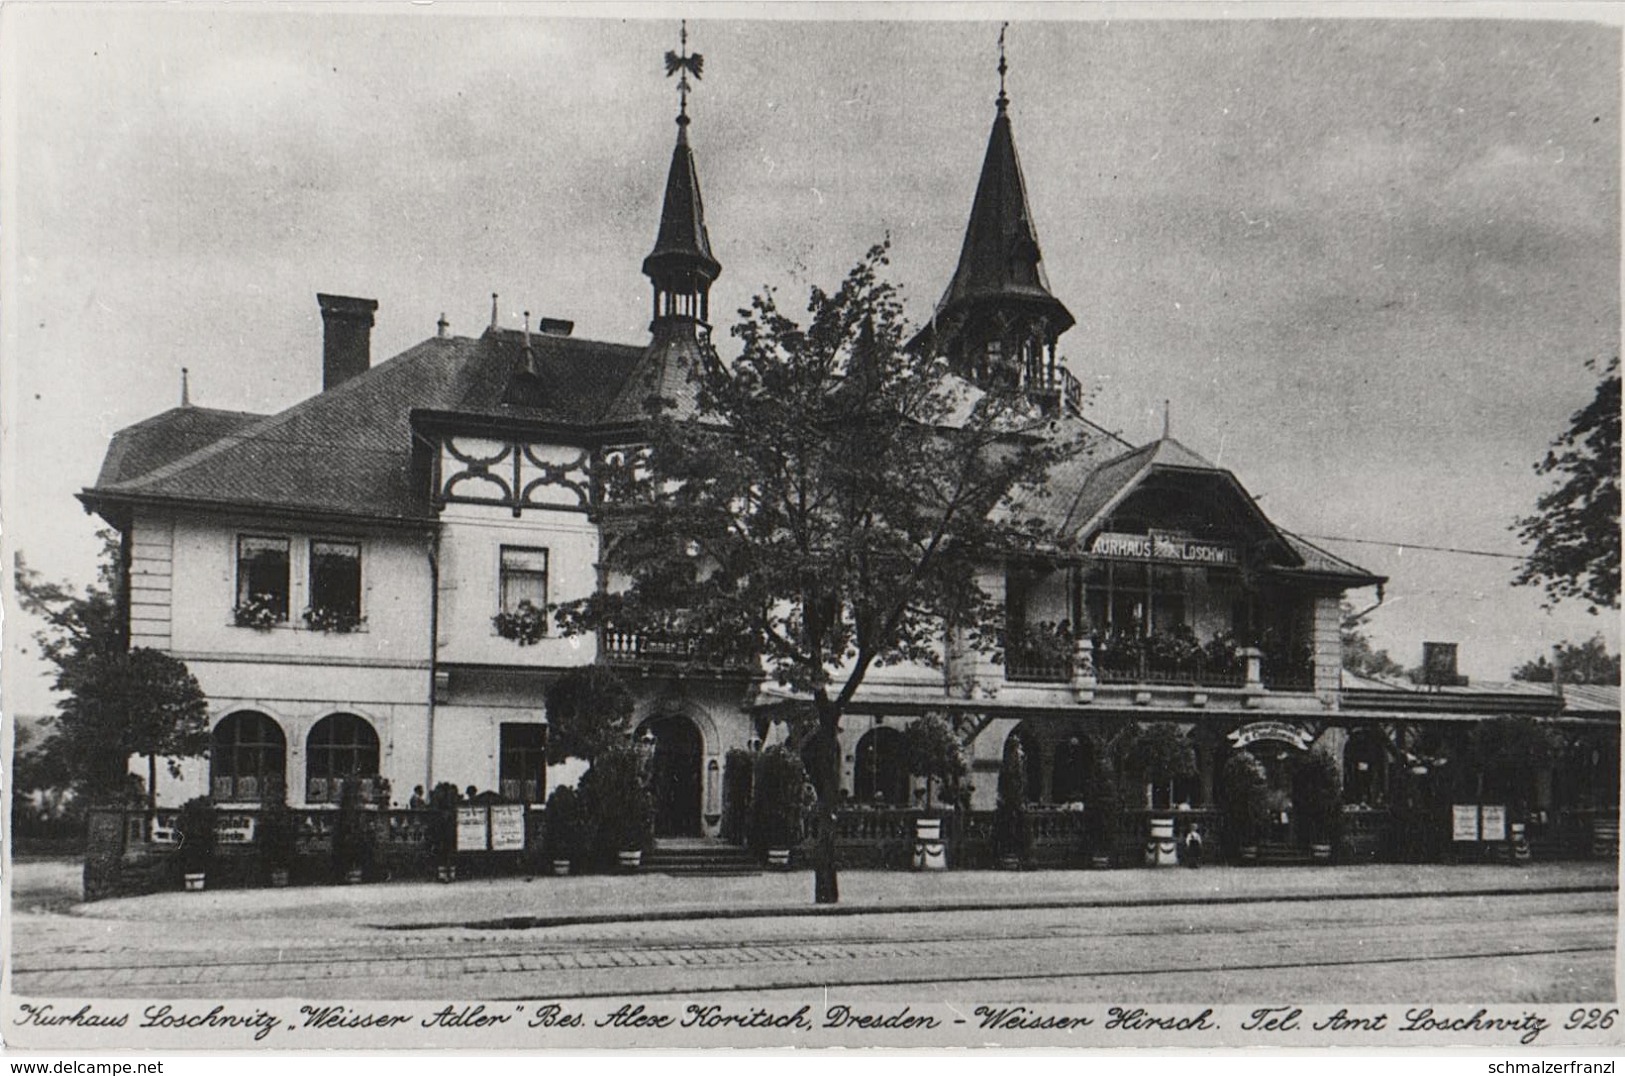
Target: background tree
<point>1586,663</point>
<point>117,701</point>
<point>935,753</point>
<point>826,509</point>
<point>1575,528</point>
<point>589,712</point>
<point>1358,654</point>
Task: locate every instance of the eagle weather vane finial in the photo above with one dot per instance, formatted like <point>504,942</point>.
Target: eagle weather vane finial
<point>1003,67</point>
<point>688,65</point>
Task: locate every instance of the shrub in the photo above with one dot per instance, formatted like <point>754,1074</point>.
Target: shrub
<point>1103,811</point>
<point>776,799</point>
<point>563,824</point>
<point>1246,798</point>
<point>736,792</point>
<point>619,811</point>
<point>278,830</point>
<point>196,824</point>
<point>442,836</point>
<point>1010,814</point>
<point>353,838</point>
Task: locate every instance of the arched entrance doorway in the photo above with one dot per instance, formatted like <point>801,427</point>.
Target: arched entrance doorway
<point>675,778</point>
<point>880,769</point>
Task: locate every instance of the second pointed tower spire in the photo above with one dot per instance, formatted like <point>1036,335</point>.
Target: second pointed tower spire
<point>997,321</point>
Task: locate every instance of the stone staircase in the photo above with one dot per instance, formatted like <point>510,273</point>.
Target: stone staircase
<point>699,856</point>
<point>1281,854</point>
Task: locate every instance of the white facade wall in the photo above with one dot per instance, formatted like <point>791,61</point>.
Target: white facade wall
<point>472,537</point>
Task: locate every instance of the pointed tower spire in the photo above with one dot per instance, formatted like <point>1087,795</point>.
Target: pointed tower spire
<point>997,321</point>
<point>681,266</point>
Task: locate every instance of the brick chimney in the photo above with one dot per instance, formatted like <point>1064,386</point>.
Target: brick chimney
<point>346,337</point>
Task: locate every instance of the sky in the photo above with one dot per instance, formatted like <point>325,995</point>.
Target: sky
<point>1364,261</point>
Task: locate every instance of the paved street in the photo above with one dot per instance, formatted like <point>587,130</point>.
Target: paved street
<point>1362,933</point>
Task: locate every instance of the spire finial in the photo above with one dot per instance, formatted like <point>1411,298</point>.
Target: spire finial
<point>688,65</point>
<point>1002,100</point>
<point>442,327</point>
<point>527,330</point>
<point>186,388</point>
<point>493,310</point>
<point>1167,418</point>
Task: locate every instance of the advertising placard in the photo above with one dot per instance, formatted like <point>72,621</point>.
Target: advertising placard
<point>1494,826</point>
<point>1464,822</point>
<point>507,827</point>
<point>473,829</point>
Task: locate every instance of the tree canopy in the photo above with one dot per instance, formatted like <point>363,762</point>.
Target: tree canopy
<point>1574,530</point>
<point>117,701</point>
<point>825,511</point>
<point>589,712</point>
<point>1583,663</point>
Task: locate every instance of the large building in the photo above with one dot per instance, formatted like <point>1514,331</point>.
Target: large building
<point>334,573</point>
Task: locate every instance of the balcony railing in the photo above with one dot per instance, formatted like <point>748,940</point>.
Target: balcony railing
<point>1036,665</point>
<point>1198,673</point>
<point>618,647</point>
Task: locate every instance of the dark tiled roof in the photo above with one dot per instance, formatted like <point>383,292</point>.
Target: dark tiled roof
<point>148,445</point>
<point>1100,487</point>
<point>1000,259</point>
<point>668,370</point>
<point>349,450</point>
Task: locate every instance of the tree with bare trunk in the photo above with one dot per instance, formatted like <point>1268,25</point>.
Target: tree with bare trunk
<point>823,510</point>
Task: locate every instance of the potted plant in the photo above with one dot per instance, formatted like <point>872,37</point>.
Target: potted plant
<point>1317,796</point>
<point>563,838</point>
<point>1010,813</point>
<point>196,826</point>
<point>277,833</point>
<point>353,838</point>
<point>1103,813</point>
<point>618,807</point>
<point>776,804</point>
<point>525,625</point>
<point>1246,803</point>
<point>1158,755</point>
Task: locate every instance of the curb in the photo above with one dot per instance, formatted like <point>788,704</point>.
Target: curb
<point>776,911</point>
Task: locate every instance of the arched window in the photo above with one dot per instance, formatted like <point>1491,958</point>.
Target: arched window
<point>339,746</point>
<point>248,757</point>
<point>880,770</point>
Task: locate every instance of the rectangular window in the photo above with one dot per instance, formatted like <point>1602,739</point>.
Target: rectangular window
<point>522,773</point>
<point>335,579</point>
<point>524,578</point>
<point>262,577</point>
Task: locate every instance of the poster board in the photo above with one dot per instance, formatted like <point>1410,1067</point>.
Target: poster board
<point>507,827</point>
<point>1494,824</point>
<point>473,829</point>
<point>1464,822</point>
